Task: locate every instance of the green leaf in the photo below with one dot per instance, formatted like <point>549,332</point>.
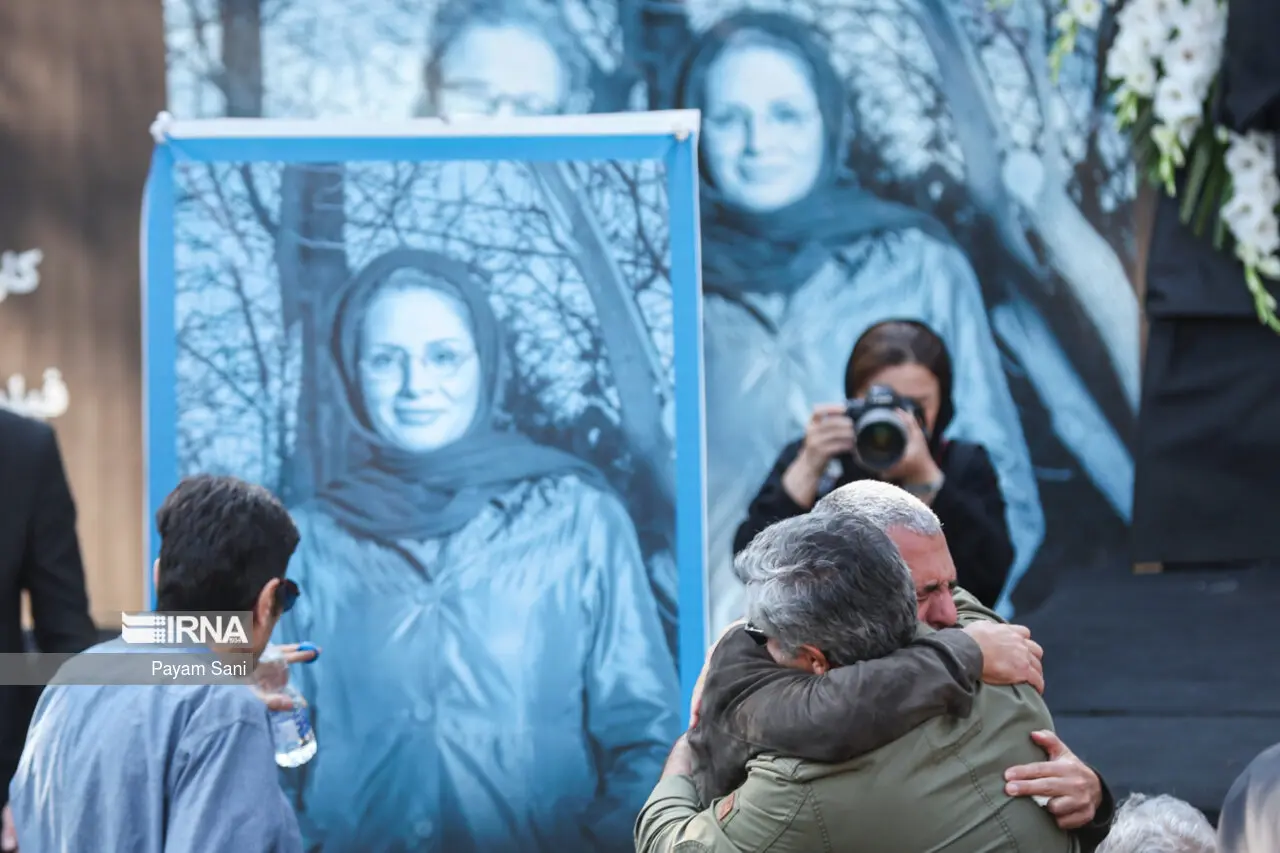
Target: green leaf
<point>1263,302</point>
<point>1222,194</point>
<point>1201,160</point>
<point>1063,46</point>
<point>1143,121</point>
<point>1167,176</point>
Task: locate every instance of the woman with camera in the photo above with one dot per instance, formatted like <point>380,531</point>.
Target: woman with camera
<point>899,383</point>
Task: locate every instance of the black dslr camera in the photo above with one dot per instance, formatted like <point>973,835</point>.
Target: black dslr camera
<point>880,437</point>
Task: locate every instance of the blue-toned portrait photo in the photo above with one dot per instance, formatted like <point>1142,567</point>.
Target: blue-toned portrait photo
<point>460,377</point>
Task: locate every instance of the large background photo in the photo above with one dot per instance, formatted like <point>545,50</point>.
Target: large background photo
<point>955,108</point>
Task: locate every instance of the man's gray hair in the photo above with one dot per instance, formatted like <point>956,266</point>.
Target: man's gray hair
<point>884,505</point>
<point>1160,824</point>
<point>829,580</point>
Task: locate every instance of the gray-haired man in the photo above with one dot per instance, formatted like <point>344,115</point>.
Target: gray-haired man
<point>826,590</point>
<point>752,706</point>
<point>1161,824</point>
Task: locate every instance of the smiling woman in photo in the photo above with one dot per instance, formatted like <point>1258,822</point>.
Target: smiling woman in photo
<point>495,677</point>
<point>799,260</point>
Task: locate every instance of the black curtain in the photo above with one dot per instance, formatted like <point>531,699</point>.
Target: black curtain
<point>1208,448</point>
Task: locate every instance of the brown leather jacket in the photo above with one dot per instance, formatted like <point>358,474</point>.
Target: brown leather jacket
<point>751,706</point>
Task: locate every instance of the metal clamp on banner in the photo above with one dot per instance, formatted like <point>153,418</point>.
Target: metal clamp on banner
<point>160,127</point>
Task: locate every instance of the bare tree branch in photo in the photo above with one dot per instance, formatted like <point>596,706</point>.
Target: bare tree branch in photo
<point>255,201</point>
<point>992,160</point>
<point>657,258</point>
<point>1082,257</point>
<point>312,263</point>
<point>229,334</point>
<point>238,349</point>
<point>241,77</point>
<point>228,381</point>
<point>637,370</point>
<point>979,132</point>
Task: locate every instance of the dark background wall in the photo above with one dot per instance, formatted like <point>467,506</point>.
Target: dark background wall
<point>80,83</point>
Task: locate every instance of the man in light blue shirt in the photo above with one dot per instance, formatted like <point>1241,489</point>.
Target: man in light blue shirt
<point>172,768</point>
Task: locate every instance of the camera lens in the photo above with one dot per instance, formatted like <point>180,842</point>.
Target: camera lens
<point>881,439</point>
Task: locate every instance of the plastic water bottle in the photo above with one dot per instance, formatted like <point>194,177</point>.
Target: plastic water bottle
<point>291,730</point>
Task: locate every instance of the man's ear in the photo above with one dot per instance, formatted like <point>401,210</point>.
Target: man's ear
<point>264,610</point>
<point>814,660</point>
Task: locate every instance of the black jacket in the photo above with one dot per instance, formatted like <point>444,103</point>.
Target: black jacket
<point>39,553</point>
<point>1207,451</point>
<point>970,507</point>
<point>1250,80</point>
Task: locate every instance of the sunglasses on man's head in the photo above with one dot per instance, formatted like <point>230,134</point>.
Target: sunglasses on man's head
<point>287,595</point>
<point>762,639</point>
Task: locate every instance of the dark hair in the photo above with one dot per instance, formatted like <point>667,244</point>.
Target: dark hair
<point>896,342</point>
<point>221,541</point>
<point>834,581</point>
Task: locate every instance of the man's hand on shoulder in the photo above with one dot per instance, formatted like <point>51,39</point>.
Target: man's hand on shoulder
<point>1009,655</point>
<point>1072,789</point>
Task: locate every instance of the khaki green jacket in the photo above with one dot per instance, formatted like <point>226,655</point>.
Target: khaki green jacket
<point>939,788</point>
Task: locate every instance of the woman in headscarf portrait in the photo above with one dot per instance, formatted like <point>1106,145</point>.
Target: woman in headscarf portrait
<point>495,675</point>
<point>799,260</point>
<point>503,58</point>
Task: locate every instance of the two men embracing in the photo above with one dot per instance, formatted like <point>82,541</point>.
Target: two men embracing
<point>868,703</point>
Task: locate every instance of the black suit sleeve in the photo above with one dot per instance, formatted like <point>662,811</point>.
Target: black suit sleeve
<point>771,503</point>
<point>48,567</point>
<point>1092,834</point>
<point>1250,75</point>
<point>52,571</point>
<point>972,511</point>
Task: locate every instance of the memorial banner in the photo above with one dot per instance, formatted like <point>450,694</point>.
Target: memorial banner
<point>861,161</point>
<point>467,357</point>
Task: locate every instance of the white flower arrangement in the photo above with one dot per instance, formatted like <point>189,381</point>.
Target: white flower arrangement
<point>1163,65</point>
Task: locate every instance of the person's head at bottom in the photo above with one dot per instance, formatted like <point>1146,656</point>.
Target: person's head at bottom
<point>828,589</point>
<point>224,547</point>
<point>1160,824</point>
